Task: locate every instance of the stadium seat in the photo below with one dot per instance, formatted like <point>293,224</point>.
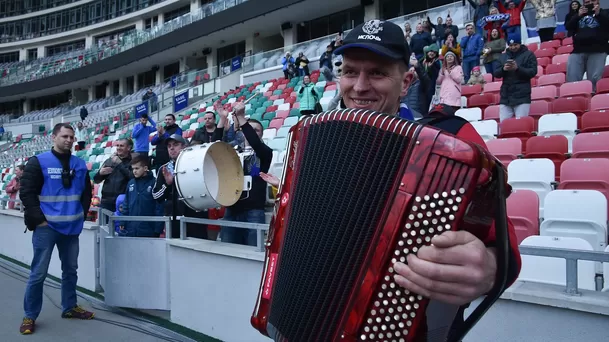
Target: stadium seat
<point>576,89</point>
<point>552,44</point>
<point>491,113</point>
<point>471,90</point>
<point>492,87</point>
<point>551,80</point>
<point>558,124</point>
<point>532,174</point>
<point>595,121</point>
<point>486,128</point>
<point>600,101</point>
<point>521,128</point>
<point>564,50</point>
<point>523,211</point>
<point>543,62</point>
<point>545,53</point>
<point>539,108</point>
<point>548,93</point>
<point>540,72</point>
<point>567,41</point>
<point>533,47</point>
<point>591,145</point>
<point>554,147</point>
<point>506,150</point>
<point>552,271</point>
<point>577,214</point>
<point>278,144</point>
<point>576,105</point>
<point>602,86</point>
<point>556,68</point>
<point>269,133</point>
<point>470,114</point>
<point>283,132</point>
<point>481,101</point>
<point>585,174</point>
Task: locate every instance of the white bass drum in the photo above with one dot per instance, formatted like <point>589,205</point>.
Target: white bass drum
<point>209,176</point>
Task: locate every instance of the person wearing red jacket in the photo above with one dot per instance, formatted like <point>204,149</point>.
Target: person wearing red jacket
<point>458,267</point>
<point>513,28</point>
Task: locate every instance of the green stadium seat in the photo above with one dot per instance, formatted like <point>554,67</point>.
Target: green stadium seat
<point>265,124</point>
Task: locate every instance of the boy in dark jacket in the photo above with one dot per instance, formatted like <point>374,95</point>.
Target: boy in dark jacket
<point>139,201</point>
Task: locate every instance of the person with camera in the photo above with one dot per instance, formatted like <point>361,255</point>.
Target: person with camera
<point>518,65</point>
<point>590,29</point>
<point>56,195</point>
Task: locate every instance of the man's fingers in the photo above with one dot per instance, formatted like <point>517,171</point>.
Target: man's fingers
<point>417,283</point>
<point>452,238</point>
<point>437,271</point>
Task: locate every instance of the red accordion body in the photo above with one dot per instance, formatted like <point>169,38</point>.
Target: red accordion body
<point>361,191</point>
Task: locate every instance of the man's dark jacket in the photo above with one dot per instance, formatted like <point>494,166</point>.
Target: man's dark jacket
<point>516,87</point>
<point>115,183</point>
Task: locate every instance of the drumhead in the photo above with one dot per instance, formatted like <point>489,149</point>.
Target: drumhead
<point>209,176</point>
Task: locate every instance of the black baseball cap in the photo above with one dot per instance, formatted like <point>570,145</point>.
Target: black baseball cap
<point>178,138</point>
<point>379,36</point>
<point>441,110</point>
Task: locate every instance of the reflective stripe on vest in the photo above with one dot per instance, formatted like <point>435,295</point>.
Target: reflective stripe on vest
<point>61,206</point>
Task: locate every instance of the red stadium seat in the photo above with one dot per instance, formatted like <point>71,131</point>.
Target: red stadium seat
<point>282,114</point>
<point>554,147</point>
<point>560,59</point>
<point>573,89</point>
<point>602,86</point>
<point>547,93</point>
<point>488,77</point>
<point>591,145</point>
<point>276,123</point>
<point>539,108</point>
<point>556,68</point>
<point>545,53</point>
<point>523,211</point>
<point>543,62</point>
<point>575,105</point>
<point>533,47</point>
<point>491,113</point>
<point>600,101</point>
<point>471,90</point>
<point>521,128</point>
<point>565,50</point>
<point>567,41</point>
<point>481,101</point>
<point>506,150</point>
<point>606,72</point>
<point>595,121</point>
<point>553,79</point>
<point>552,44</point>
<point>559,35</point>
<point>585,174</point>
<point>492,87</point>
<point>540,71</point>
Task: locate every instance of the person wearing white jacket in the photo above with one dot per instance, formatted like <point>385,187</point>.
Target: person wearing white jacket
<point>546,18</point>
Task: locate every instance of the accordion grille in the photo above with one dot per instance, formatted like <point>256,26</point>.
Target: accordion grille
<point>343,185</point>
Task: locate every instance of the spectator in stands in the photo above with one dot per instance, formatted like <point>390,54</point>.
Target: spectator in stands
<point>514,26</point>
<point>326,65</point>
<point>476,77</point>
<point>481,10</point>
<point>573,11</point>
<point>115,172</point>
<point>471,46</point>
<point>450,44</point>
<point>419,41</point>
<point>119,226</point>
<point>336,99</point>
<point>426,23</point>
<point>450,79</point>
<point>432,66</point>
<point>12,188</point>
<point>492,51</point>
<point>84,112</point>
<point>362,89</point>
<point>417,99</point>
<point>286,61</point>
<point>210,132</point>
<point>160,140</point>
<point>56,195</point>
<point>152,98</point>
<point>450,28</point>
<point>166,194</point>
<point>139,201</point>
<point>81,135</point>
<point>141,134</point>
<point>494,20</point>
<point>518,67</point>
<point>546,18</point>
<point>407,32</point>
<point>590,42</point>
<point>302,63</point>
<point>1,131</point>
<point>439,30</point>
<point>250,207</point>
<point>307,96</point>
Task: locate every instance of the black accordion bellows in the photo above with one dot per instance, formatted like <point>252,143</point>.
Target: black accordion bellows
<point>333,153</point>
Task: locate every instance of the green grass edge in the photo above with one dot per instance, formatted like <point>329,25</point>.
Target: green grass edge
<point>193,334</point>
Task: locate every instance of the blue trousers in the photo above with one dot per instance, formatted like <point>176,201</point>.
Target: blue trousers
<point>44,240</point>
<point>241,236</point>
<point>468,65</point>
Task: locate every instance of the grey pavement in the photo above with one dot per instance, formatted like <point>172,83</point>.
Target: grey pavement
<point>107,326</point>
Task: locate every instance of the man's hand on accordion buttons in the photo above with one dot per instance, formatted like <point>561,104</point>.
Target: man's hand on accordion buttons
<point>456,268</point>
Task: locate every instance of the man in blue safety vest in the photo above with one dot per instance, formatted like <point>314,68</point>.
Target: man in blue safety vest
<point>56,195</point>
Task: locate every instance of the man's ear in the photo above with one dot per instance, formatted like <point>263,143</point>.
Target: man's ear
<point>406,81</point>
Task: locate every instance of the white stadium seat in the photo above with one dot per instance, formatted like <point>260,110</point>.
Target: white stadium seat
<point>470,114</point>
<point>486,128</point>
<point>558,124</point>
<point>533,174</point>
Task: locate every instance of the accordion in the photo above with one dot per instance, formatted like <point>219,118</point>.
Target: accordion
<point>360,191</point>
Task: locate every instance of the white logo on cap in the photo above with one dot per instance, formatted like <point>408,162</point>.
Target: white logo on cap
<point>373,27</point>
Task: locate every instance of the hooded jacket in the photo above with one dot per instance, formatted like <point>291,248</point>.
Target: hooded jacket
<point>139,202</point>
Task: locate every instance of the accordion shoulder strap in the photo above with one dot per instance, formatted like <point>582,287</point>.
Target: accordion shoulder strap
<point>451,124</point>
